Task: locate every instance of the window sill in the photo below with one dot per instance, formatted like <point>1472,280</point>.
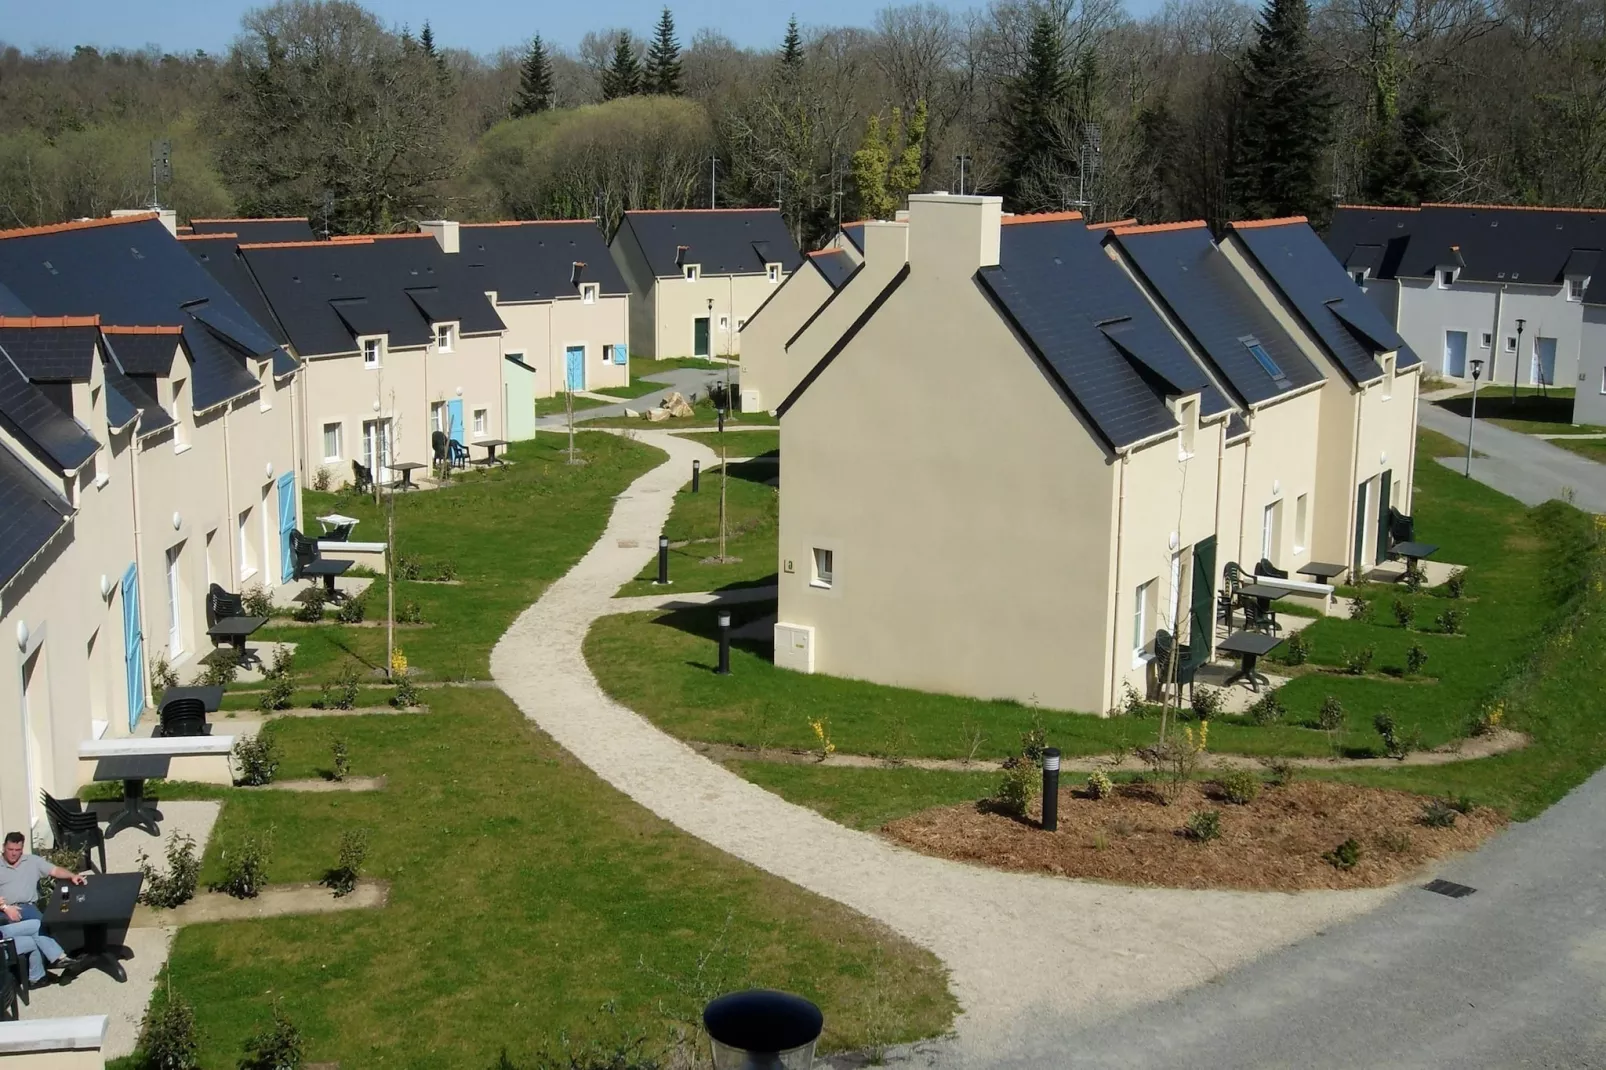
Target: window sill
<point>332,460</point>
<point>247,574</point>
<point>818,586</point>
<point>1141,659</point>
<point>181,447</point>
<point>101,481</point>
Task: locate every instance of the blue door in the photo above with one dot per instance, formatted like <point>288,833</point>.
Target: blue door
<point>133,646</point>
<point>1455,354</point>
<point>454,417</point>
<point>576,357</point>
<point>287,524</point>
<point>1544,368</point>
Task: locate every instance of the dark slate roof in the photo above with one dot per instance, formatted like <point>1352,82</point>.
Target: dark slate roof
<point>138,393</point>
<point>834,265</point>
<point>327,293</point>
<point>221,258</point>
<point>31,514</point>
<point>11,304</point>
<point>62,354</point>
<point>1494,244</point>
<point>133,272</point>
<point>144,354</point>
<point>120,411</point>
<point>725,241</point>
<point>855,234</point>
<point>1094,329</point>
<point>1326,297</point>
<point>256,230</point>
<point>535,261</point>
<point>28,414</point>
<point>1214,305</point>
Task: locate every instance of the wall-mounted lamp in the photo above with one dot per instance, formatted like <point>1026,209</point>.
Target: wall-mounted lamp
<point>458,391</point>
<point>269,469</point>
<point>376,404</point>
<point>22,635</point>
<point>1173,540</point>
<point>1383,458</point>
<point>178,521</point>
<point>1276,486</point>
<point>105,586</point>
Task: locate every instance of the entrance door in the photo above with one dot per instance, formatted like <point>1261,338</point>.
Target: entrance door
<point>1361,524</point>
<point>133,646</point>
<point>575,362</point>
<point>287,524</point>
<point>1203,607</point>
<point>175,603</point>
<point>1455,354</point>
<point>376,446</point>
<point>35,709</point>
<point>1385,486</point>
<point>1544,362</point>
<point>699,336</point>
<point>454,417</point>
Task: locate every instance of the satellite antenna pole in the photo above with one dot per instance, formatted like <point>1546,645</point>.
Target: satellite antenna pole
<point>713,165</point>
<point>161,168</point>
<point>962,159</point>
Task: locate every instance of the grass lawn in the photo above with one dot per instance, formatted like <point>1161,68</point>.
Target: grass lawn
<point>1593,449</point>
<point>753,514</point>
<point>743,444</point>
<point>704,417</point>
<point>554,405</point>
<point>1529,413</point>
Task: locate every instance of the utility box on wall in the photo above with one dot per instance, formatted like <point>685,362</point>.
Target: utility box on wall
<point>794,647</point>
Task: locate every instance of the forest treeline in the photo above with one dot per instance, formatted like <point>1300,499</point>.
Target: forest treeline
<point>1209,109</point>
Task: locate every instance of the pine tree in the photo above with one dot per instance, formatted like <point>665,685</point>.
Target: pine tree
<point>426,41</point>
<point>903,174</point>
<point>623,76</point>
<point>870,163</point>
<point>1038,99</point>
<point>663,59</point>
<point>1282,128</point>
<point>535,82</point>
<point>792,47</point>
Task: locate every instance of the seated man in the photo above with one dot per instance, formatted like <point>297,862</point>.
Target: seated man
<point>20,874</point>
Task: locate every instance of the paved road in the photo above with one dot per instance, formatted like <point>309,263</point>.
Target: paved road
<point>1529,469</point>
<point>685,380</point>
<point>1511,976</point>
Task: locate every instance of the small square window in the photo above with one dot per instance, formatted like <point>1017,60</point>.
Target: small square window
<point>773,271</point>
<point>1360,278</point>
<point>1388,376</point>
<point>607,353</point>
<point>480,416</point>
<point>724,323</point>
<point>1446,277</point>
<point>741,325</point>
<point>692,272</point>
<point>1188,417</point>
<point>444,335</point>
<point>371,350</point>
<point>824,568</point>
<point>588,292</point>
<point>1575,289</point>
<point>1485,340</point>
<point>331,442</point>
<point>1511,343</point>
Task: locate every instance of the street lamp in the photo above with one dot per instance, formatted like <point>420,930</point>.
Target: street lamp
<point>1516,361</point>
<point>1477,370</point>
<point>763,1030</point>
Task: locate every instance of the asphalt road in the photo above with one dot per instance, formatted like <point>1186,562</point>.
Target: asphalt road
<point>1529,469</point>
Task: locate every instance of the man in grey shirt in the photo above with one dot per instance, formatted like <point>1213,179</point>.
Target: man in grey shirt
<point>20,874</point>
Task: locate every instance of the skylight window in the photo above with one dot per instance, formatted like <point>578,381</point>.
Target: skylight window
<point>1263,358</point>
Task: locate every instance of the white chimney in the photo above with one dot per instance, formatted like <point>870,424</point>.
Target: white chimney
<point>168,217</point>
<point>946,230</point>
<point>444,232</point>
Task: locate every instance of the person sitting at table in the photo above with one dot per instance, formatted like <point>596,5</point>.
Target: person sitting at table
<point>20,874</point>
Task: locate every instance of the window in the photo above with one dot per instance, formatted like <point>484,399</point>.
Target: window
<point>741,324</point>
<point>1301,523</point>
<point>1603,381</point>
<point>824,568</point>
<point>331,442</point>
<point>1140,621</point>
<point>371,349</point>
<point>1188,416</point>
<point>1446,277</point>
<point>1388,376</point>
<point>264,388</point>
<point>248,565</point>
<point>444,334</point>
<point>1263,358</point>
<point>1511,343</point>
<point>607,353</point>
<point>1176,594</point>
<point>265,514</point>
<point>724,323</point>
<point>1359,277</point>
<point>480,416</point>
<point>181,435</point>
<point>692,271</point>
<point>175,602</point>
<point>773,271</point>
<point>588,293</point>
<point>1485,340</point>
<point>1575,289</point>
<point>437,416</point>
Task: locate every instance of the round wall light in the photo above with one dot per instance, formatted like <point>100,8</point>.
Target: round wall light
<point>105,586</point>
<point>459,391</point>
<point>1276,486</point>
<point>1173,540</point>
<point>178,521</point>
<point>269,467</point>
<point>22,635</point>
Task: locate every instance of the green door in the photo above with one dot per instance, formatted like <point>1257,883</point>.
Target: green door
<point>1357,566</point>
<point>699,336</point>
<point>1385,485</point>
<point>1203,605</point>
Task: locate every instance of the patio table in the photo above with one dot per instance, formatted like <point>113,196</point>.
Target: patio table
<point>133,771</point>
<point>103,902</point>
<point>1249,646</point>
<point>407,468</point>
<point>1323,571</point>
<point>328,570</point>
<point>336,520</point>
<point>491,446</point>
<point>1414,552</point>
<point>236,630</point>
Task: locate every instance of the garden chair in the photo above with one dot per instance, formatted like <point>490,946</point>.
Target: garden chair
<point>362,477</point>
<point>13,981</point>
<point>74,827</point>
<point>1257,619</point>
<point>1165,652</point>
<point>340,533</point>
<point>1401,527</point>
<point>183,717</point>
<point>1230,579</point>
<point>221,605</point>
<point>1266,570</point>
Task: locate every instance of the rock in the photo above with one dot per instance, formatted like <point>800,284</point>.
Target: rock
<point>657,416</point>
<point>631,414</point>
<point>677,405</point>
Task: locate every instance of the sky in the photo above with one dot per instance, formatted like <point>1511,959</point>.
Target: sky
<point>483,26</point>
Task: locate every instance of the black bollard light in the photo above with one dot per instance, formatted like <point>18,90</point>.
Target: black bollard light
<point>1051,789</point>
<point>721,413</point>
<point>763,1030</point>
<point>724,644</point>
<point>663,559</point>
<point>696,475</point>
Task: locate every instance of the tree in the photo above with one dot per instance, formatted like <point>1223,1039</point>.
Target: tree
<point>1282,128</point>
<point>883,173</point>
<point>663,59</point>
<point>870,165</point>
<point>792,47</point>
<point>535,81</point>
<point>1037,103</point>
<point>622,78</point>
<point>426,42</point>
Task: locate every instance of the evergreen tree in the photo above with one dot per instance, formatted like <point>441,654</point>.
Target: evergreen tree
<point>663,59</point>
<point>1399,157</point>
<point>903,174</point>
<point>870,163</point>
<point>426,41</point>
<point>1037,103</point>
<point>535,82</point>
<point>792,47</point>
<point>1282,127</point>
<point>623,76</point>
<point>884,174</point>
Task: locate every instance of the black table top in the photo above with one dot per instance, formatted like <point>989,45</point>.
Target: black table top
<point>1415,549</point>
<point>102,898</point>
<point>1249,643</point>
<point>491,442</point>
<point>1263,590</point>
<point>1322,570</point>
<point>407,466</point>
<point>326,568</point>
<point>211,697</point>
<point>229,627</point>
<point>133,767</point>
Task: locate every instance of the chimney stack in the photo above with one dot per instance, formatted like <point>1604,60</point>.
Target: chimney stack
<point>575,272</point>
<point>444,232</point>
<point>952,232</point>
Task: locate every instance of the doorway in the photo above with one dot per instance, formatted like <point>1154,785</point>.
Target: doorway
<point>175,601</point>
<point>1455,354</point>
<point>1362,527</point>
<point>376,445</point>
<point>1543,371</point>
<point>574,364</point>
<point>699,336</point>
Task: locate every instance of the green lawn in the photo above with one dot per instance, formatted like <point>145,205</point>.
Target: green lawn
<point>554,405</point>
<point>743,443</point>
<point>1593,449</point>
<point>1529,413</point>
<point>704,417</point>
<point>752,510</point>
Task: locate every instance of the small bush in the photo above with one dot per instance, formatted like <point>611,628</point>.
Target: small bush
<point>168,1039</point>
<point>1487,720</point>
<point>408,566</point>
<point>1415,658</point>
<point>353,853</point>
<point>1239,787</point>
<point>1415,576</point>
<point>1404,613</point>
<point>339,759</point>
<point>1267,710</point>
<point>1356,663</point>
<point>277,1047</point>
<point>1330,717</point>
<point>1281,770</point>
<point>310,603</point>
<point>409,613</point>
<point>163,676</point>
<point>1456,585</point>
<point>446,571</point>
<point>1207,702</point>
<point>177,886</point>
<point>1034,741</point>
<point>256,601</point>
<point>1297,650</point>
<point>1018,786</point>
<point>347,687</point>
<point>1449,621</point>
<point>1203,826</point>
<point>1461,804</point>
<point>1394,841</point>
<point>353,610</point>
<point>280,680</point>
<point>257,758</point>
<point>1345,855</point>
<point>245,868</point>
<point>221,668</point>
<point>406,696</point>
<point>1099,785</point>
<point>1396,745</point>
<point>1437,814</point>
<point>1360,609</point>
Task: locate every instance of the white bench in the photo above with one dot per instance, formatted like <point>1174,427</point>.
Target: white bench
<point>42,1037</point>
<point>198,759</point>
<point>1322,590</point>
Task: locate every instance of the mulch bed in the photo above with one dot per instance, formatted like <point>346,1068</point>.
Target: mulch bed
<point>1272,844</point>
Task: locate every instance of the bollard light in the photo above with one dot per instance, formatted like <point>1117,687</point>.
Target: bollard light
<point>663,559</point>
<point>763,1030</point>
<point>724,644</point>
<point>696,475</point>
<point>1051,789</point>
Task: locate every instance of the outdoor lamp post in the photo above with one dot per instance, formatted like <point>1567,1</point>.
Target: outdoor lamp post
<point>1516,360</point>
<point>663,559</point>
<point>762,1030</point>
<point>1477,370</point>
<point>696,475</point>
<point>724,644</point>
<point>1051,789</point>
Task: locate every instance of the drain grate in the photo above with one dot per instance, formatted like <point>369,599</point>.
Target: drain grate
<point>1449,888</point>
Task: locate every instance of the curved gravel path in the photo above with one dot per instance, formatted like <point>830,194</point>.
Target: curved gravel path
<point>1026,955</point>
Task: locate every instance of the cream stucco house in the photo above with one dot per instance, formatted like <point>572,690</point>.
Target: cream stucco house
<point>1057,483</point>
<point>775,353</point>
<point>697,275</point>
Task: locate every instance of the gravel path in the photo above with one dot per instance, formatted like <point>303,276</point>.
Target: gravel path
<point>1027,955</point>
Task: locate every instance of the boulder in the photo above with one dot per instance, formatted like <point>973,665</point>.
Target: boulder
<point>657,416</point>
<point>632,414</point>
<point>677,405</point>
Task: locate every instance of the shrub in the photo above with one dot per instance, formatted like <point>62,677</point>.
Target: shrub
<point>446,571</point>
<point>1239,787</point>
<point>1297,650</point>
<point>1415,576</point>
<point>1356,663</point>
<point>1017,787</point>
<point>257,758</point>
<point>309,603</point>
<point>1456,585</point>
<point>1450,620</point>
<point>353,610</point>
<point>221,668</point>
<point>1437,814</point>
<point>1395,841</point>
<point>278,677</point>
<point>1099,785</point>
<point>1360,609</point>
<point>1415,658</point>
<point>1461,804</point>
<point>1345,855</point>
<point>1404,613</point>
<point>163,676</point>
<point>1487,719</point>
<point>177,886</point>
<point>1330,717</point>
<point>1034,741</point>
<point>409,613</point>
<point>256,601</point>
<point>1281,770</point>
<point>406,696</point>
<point>1267,710</point>
<point>347,687</point>
<point>339,759</point>
<point>353,853</point>
<point>1203,826</point>
<point>1395,745</point>
<point>1207,702</point>
<point>277,1047</point>
<point>167,1036</point>
<point>245,868</point>
<point>408,566</point>
<point>322,479</point>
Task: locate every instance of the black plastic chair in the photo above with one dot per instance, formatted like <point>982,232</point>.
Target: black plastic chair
<point>183,717</point>
<point>1257,619</point>
<point>304,551</point>
<point>1401,527</point>
<point>74,827</point>
<point>457,452</point>
<point>13,981</point>
<point>1165,652</point>
<point>362,477</point>
<point>1230,580</point>
<point>1265,569</point>
<point>340,533</point>
<point>221,605</point>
